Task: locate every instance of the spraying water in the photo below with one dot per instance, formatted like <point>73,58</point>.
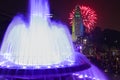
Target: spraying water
<point>42,42</point>
<point>41,45</point>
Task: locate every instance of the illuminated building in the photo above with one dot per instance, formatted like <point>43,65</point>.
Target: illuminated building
<point>77,25</point>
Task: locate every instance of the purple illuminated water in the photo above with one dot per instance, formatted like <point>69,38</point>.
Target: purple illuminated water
<point>40,43</point>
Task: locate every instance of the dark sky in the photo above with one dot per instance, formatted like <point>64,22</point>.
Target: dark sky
<point>108,11</point>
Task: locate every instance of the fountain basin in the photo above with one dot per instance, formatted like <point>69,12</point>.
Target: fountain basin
<point>10,70</point>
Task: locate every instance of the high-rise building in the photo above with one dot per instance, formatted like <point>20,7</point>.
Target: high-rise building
<point>77,25</point>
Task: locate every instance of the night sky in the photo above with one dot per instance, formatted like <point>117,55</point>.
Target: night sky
<point>108,11</point>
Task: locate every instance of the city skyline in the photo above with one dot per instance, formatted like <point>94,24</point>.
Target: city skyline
<point>107,11</point>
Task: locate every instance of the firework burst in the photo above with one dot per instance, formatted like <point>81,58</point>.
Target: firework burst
<point>89,17</point>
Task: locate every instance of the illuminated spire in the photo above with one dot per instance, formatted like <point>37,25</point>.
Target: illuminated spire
<point>77,25</point>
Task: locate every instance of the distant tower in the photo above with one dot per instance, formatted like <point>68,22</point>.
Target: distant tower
<point>77,25</point>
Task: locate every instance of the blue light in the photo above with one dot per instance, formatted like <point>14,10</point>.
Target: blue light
<point>8,66</point>
<point>37,67</point>
<point>80,76</point>
<point>24,67</point>
<point>62,65</point>
<point>57,66</point>
<point>86,75</point>
<point>48,66</point>
<point>94,78</point>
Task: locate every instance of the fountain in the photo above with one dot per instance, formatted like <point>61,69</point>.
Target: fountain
<point>40,49</point>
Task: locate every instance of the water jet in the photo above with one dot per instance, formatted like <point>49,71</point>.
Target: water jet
<point>40,49</point>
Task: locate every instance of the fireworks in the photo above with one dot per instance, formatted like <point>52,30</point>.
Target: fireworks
<point>89,17</point>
